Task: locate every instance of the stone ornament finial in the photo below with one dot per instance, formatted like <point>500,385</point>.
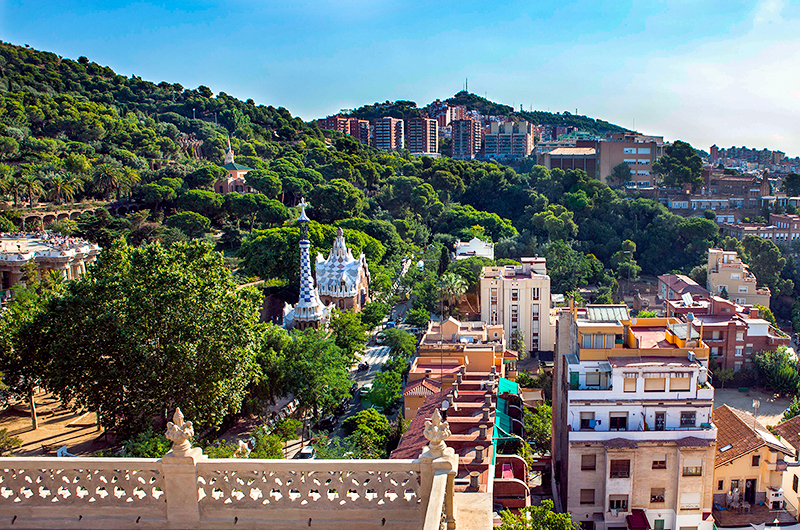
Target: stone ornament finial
<point>437,431</point>
<point>179,432</point>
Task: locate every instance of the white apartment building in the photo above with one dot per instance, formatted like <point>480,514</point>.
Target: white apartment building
<point>633,442</point>
<point>726,272</point>
<point>518,297</point>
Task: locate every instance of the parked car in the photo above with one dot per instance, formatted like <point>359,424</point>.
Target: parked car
<point>389,325</point>
<point>326,424</point>
<point>364,390</point>
<point>380,338</point>
<point>413,330</point>
<point>306,453</point>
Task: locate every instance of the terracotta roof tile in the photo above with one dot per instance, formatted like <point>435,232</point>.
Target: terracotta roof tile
<point>790,431</point>
<point>422,388</point>
<point>737,435</point>
<point>413,441</point>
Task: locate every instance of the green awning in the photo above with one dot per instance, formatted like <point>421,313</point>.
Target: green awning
<point>507,385</point>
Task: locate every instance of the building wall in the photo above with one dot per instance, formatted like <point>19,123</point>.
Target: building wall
<point>422,136</point>
<point>742,469</point>
<point>466,137</point>
<point>634,149</point>
<point>389,134</point>
<point>725,269</point>
<point>587,163</point>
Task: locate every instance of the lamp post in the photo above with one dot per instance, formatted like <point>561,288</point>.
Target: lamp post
<point>756,404</point>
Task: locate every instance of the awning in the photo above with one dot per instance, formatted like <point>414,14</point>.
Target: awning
<point>630,375</point>
<point>680,374</point>
<point>637,520</point>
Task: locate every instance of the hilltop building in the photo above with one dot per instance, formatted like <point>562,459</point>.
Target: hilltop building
<point>354,127</point>
<point>389,134</point>
<point>234,181</point>
<point>342,280</point>
<point>508,140</point>
<point>475,247</point>
<point>466,139</point>
<point>422,136</point>
<point>728,274</point>
<point>309,311</point>
<point>633,443</point>
<point>518,298</point>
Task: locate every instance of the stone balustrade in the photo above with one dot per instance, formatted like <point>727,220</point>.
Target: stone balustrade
<point>186,489</point>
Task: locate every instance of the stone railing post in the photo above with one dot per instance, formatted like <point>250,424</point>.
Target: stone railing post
<point>180,474</point>
<point>437,459</point>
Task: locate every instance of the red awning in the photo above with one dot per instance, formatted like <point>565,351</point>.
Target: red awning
<point>637,520</point>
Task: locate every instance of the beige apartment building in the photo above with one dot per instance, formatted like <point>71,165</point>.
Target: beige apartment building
<point>508,140</point>
<point>727,273</point>
<point>389,134</point>
<point>636,150</point>
<point>518,298</point>
<point>422,136</point>
<point>633,442</point>
<point>466,136</point>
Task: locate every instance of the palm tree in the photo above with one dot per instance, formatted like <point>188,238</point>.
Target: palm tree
<point>128,180</point>
<point>451,288</point>
<point>30,181</point>
<point>107,178</point>
<point>63,186</point>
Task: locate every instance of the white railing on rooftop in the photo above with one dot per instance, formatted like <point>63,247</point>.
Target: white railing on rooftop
<point>186,489</point>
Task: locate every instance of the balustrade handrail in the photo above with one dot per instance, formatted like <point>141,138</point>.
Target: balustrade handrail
<point>323,466</point>
<point>433,515</point>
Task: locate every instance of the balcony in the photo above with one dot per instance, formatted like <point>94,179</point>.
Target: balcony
<point>186,489</point>
<point>642,435</point>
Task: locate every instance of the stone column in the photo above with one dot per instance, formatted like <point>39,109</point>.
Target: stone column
<point>180,475</point>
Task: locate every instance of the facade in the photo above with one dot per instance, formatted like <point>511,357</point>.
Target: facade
<point>727,273</point>
<point>518,298</point>
<point>788,431</point>
<point>389,134</point>
<point>633,443</point>
<point>234,181</point>
<point>309,311</point>
<point>565,158</point>
<point>474,248</point>
<point>466,136</point>
<point>749,461</point>
<point>359,129</point>
<point>342,280</point>
<point>636,150</point>
<point>782,228</point>
<point>69,255</point>
<point>508,140</point>
<point>422,136</point>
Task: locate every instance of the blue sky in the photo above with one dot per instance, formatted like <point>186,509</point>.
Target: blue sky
<point>723,72</point>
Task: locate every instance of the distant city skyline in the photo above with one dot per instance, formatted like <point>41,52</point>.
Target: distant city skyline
<point>708,73</point>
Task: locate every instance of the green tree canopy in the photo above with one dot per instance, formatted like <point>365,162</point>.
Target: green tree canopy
<point>680,165</point>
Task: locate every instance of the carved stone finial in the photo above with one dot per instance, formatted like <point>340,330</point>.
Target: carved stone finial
<point>179,432</point>
<point>437,431</point>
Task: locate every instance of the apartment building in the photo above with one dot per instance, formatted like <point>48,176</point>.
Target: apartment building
<point>727,273</point>
<point>351,126</point>
<point>444,114</point>
<point>584,158</point>
<point>788,432</point>
<point>782,228</point>
<point>518,298</point>
<point>749,467</point>
<point>389,134</point>
<point>733,332</point>
<point>508,140</point>
<point>633,442</point>
<point>466,135</point>
<point>674,286</point>
<point>636,150</point>
<point>422,136</point>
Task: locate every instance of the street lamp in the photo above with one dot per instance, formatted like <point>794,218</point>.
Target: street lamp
<point>756,404</point>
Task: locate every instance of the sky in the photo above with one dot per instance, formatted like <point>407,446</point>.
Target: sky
<point>724,72</point>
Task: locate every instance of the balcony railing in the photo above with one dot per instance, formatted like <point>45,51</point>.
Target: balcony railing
<point>185,489</point>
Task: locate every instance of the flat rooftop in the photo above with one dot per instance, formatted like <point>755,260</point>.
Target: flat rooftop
<point>643,362</point>
<point>650,338</point>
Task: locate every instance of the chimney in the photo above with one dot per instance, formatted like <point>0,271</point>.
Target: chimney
<point>479,454</point>
<point>486,411</point>
<point>487,399</point>
<point>473,479</point>
<point>482,427</point>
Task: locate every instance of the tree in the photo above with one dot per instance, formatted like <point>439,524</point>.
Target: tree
<point>793,409</point>
<point>373,313</point>
<point>538,428</point>
<point>724,375</point>
<point>680,165</point>
<point>620,174</point>
<point>451,288</point>
<point>204,177</point>
<point>369,422</point>
<point>766,263</point>
<point>31,183</point>
<point>203,202</point>
<point>791,185</point>
<point>348,332</point>
<point>400,342</point>
<point>338,199</point>
<point>540,517</point>
<point>557,221</point>
<point>190,223</point>
<point>418,317</point>
<point>63,187</point>
<point>385,389</point>
<point>107,178</point>
<point>778,370</point>
<point>267,182</point>
<point>766,314</point>
<point>149,329</point>
<point>699,274</point>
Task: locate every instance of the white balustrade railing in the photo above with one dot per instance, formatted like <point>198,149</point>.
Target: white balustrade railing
<point>186,489</point>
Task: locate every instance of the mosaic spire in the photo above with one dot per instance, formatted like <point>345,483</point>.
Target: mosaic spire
<point>309,307</point>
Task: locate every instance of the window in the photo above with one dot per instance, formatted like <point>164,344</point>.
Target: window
<point>738,352</point>
<point>794,483</point>
<point>756,460</point>
<point>715,335</point>
<point>620,469</point>
<point>593,379</point>
<point>630,161</point>
<point>721,288</point>
<point>742,288</point>
<point>629,150</point>
<point>680,384</point>
<point>658,524</point>
<point>535,311</point>
<point>660,462</point>
<point>587,341</point>
<point>618,502</point>
<point>714,351</point>
<point>515,295</point>
<point>735,276</point>
<point>598,340</point>
<point>587,496</point>
<point>692,468</point>
<point>534,293</point>
<point>644,150</point>
<point>734,484</point>
<point>587,525</point>
<point>588,462</point>
<point>720,485</point>
<point>688,419</point>
<point>740,335</point>
<point>690,501</point>
<point>748,349</point>
<point>618,421</point>
<point>656,495</point>
<point>652,384</point>
<point>630,384</point>
<point>587,422</point>
<point>644,161</point>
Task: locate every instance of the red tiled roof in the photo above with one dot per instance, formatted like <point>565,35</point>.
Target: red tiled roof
<point>790,431</point>
<point>422,388</point>
<point>736,429</point>
<point>413,441</point>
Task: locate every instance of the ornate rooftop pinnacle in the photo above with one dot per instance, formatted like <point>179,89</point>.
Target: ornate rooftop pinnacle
<point>303,219</point>
<point>179,432</point>
<point>437,431</point>
<point>229,153</point>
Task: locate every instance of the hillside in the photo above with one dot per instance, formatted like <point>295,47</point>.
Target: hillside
<point>408,109</point>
